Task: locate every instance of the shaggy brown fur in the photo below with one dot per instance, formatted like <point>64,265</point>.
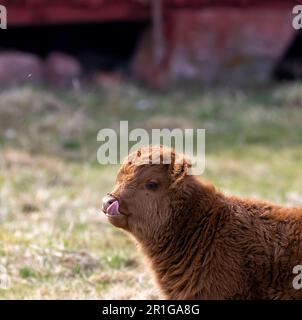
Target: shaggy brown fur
<point>201,243</point>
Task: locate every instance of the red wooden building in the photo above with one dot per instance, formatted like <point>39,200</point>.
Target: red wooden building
<point>227,41</point>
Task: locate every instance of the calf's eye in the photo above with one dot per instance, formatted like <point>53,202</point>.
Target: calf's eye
<point>151,185</point>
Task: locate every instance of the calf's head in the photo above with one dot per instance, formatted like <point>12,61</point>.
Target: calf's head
<point>146,190</point>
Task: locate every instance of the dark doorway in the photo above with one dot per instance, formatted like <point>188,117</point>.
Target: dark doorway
<point>290,66</point>
<point>98,46</point>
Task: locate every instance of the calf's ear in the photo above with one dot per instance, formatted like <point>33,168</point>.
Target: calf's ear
<point>180,168</point>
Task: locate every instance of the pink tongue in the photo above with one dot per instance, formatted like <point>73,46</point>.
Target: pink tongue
<point>113,208</point>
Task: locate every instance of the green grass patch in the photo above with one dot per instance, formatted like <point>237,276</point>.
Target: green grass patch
<point>27,272</point>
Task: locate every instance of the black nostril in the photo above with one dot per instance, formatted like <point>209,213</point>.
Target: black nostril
<point>110,201</point>
<point>107,201</point>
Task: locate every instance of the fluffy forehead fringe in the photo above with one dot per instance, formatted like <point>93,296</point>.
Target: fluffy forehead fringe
<point>155,155</point>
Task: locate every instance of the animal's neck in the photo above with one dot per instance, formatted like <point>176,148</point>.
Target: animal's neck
<point>179,250</point>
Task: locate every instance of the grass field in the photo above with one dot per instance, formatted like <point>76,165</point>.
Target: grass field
<point>55,242</point>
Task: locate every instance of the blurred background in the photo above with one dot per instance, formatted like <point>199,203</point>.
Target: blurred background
<point>70,68</point>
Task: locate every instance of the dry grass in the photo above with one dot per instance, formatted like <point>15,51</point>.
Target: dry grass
<point>55,242</point>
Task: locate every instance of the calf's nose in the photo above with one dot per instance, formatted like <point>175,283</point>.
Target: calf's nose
<point>107,201</point>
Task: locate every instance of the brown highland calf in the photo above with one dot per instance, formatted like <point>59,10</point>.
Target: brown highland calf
<point>202,244</point>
